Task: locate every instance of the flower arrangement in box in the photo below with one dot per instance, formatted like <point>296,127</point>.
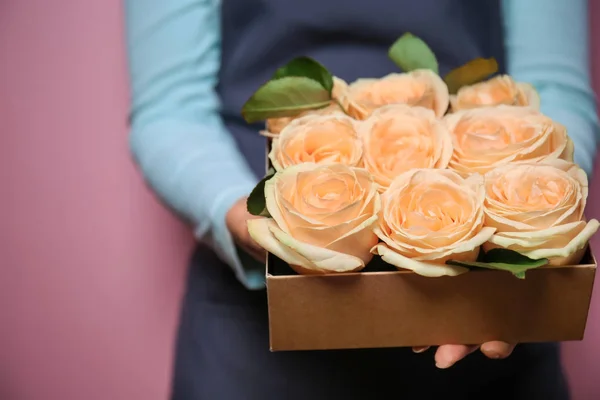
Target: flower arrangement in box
<point>434,175</point>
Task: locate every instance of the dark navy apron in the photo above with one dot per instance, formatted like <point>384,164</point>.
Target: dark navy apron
<point>223,347</point>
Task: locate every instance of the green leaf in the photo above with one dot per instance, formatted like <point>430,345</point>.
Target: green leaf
<point>472,72</point>
<point>285,97</point>
<point>505,260</point>
<point>256,203</point>
<point>510,257</point>
<point>516,269</point>
<point>308,68</point>
<point>410,53</point>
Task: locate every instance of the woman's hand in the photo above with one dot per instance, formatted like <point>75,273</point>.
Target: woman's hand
<point>449,354</point>
<point>236,221</point>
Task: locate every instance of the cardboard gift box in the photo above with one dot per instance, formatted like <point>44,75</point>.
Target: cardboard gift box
<point>396,308</point>
<point>383,307</point>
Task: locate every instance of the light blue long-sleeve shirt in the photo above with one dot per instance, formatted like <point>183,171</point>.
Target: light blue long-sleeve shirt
<point>179,141</point>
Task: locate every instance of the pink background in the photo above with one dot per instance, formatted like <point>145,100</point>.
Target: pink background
<point>91,266</point>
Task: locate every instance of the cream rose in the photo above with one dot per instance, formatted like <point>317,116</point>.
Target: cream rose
<point>322,218</point>
<point>417,88</point>
<point>275,125</point>
<point>320,139</point>
<point>498,90</point>
<point>397,138</point>
<point>429,216</point>
<point>484,138</point>
<point>537,210</point>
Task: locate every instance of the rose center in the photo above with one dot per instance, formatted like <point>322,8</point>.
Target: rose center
<point>483,137</point>
<point>532,192</point>
<point>325,143</point>
<point>399,148</point>
<point>433,208</point>
<point>330,193</point>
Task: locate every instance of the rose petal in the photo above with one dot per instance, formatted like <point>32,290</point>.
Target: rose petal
<point>308,258</point>
<point>500,90</point>
<point>443,253</point>
<point>532,96</point>
<point>318,259</point>
<point>419,267</point>
<point>358,241</point>
<point>579,242</point>
<point>324,236</point>
<point>557,236</point>
<point>273,191</point>
<point>260,231</point>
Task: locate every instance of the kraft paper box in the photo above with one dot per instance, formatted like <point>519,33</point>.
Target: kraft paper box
<point>397,309</point>
<point>390,308</point>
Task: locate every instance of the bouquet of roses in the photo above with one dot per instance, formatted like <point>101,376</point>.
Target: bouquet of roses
<point>434,175</point>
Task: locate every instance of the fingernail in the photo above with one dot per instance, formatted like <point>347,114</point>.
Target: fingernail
<point>443,364</point>
<point>493,355</point>
<point>419,350</point>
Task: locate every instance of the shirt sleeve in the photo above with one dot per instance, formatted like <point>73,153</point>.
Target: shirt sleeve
<point>547,44</point>
<point>177,137</point>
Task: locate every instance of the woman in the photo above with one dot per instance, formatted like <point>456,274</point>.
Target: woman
<point>194,63</point>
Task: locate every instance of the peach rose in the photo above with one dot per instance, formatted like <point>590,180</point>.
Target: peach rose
<point>537,210</point>
<point>319,139</point>
<point>275,125</point>
<point>322,218</point>
<point>484,138</point>
<point>429,216</point>
<point>501,89</point>
<point>417,88</point>
<point>397,138</point>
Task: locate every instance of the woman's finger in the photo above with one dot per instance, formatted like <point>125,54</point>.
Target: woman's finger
<point>421,349</point>
<point>257,253</point>
<point>449,354</point>
<point>497,350</point>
